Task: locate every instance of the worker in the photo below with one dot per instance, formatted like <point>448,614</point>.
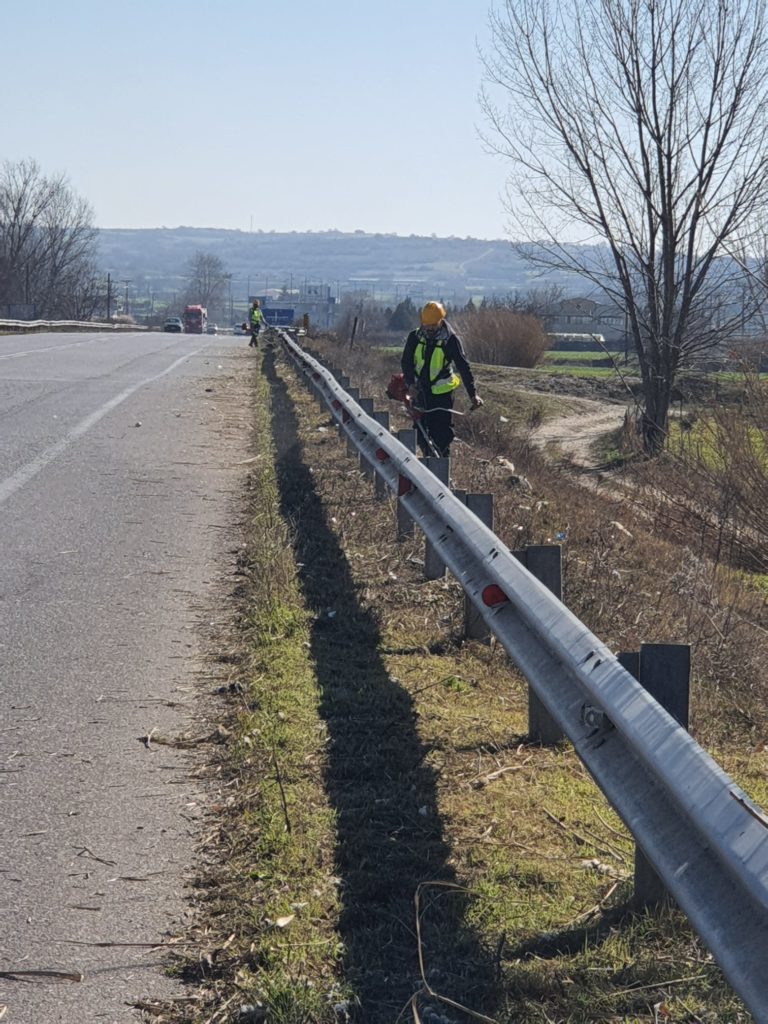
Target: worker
<point>430,354</point>
<point>256,322</point>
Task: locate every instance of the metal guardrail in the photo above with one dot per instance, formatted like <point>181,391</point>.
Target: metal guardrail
<point>703,835</point>
<point>32,326</point>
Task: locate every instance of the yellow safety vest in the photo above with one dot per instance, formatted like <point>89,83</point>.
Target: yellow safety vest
<point>255,317</point>
<point>442,379</point>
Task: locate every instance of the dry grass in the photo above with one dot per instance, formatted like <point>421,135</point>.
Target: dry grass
<point>502,337</point>
<point>381,760</point>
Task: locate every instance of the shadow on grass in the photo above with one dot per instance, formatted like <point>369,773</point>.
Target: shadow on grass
<point>389,834</point>
<point>571,941</point>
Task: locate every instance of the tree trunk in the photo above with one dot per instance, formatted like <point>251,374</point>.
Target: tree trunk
<point>655,416</point>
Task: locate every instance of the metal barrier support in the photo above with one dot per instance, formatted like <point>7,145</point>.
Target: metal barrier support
<point>544,561</point>
<point>664,670</point>
<point>354,394</point>
<point>407,439</point>
<point>475,626</point>
<point>434,566</point>
<point>366,404</point>
<point>380,484</point>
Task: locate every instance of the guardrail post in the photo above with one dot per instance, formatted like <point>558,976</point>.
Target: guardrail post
<point>434,566</point>
<point>407,438</point>
<point>354,394</point>
<point>343,383</point>
<point>664,670</point>
<point>366,404</point>
<point>544,561</point>
<point>475,627</point>
<point>380,485</point>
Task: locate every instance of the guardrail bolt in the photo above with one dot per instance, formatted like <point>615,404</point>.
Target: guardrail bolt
<point>595,718</point>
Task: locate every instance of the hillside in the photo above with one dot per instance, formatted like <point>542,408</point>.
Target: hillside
<point>389,266</point>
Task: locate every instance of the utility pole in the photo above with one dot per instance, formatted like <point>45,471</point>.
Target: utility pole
<point>109,296</point>
<point>126,282</point>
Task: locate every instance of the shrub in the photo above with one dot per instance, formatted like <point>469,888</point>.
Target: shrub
<point>502,337</point>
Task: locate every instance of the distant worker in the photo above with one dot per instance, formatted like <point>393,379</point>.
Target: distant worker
<point>256,323</point>
<point>428,361</point>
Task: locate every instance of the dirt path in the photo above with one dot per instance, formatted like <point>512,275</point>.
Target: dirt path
<point>575,433</point>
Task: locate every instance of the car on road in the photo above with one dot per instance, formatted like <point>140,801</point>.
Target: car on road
<point>173,324</point>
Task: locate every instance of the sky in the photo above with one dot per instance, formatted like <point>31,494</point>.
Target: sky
<point>283,115</point>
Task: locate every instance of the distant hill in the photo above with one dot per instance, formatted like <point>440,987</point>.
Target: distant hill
<point>388,266</point>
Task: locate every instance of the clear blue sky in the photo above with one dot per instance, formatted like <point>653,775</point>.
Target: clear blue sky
<point>288,115</point>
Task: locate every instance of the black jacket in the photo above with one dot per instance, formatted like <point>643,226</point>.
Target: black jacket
<point>454,354</point>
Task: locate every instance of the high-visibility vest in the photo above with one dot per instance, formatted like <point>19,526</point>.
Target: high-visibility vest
<point>442,378</point>
<point>255,317</point>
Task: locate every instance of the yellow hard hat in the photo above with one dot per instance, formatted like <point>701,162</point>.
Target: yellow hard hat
<point>432,314</point>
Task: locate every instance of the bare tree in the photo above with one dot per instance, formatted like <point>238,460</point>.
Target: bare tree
<point>47,241</point>
<point>208,280</point>
<point>637,129</point>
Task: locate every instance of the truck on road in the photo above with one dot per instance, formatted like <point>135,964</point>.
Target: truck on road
<point>195,319</point>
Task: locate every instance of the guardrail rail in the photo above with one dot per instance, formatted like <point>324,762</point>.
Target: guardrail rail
<point>34,326</point>
<point>705,838</point>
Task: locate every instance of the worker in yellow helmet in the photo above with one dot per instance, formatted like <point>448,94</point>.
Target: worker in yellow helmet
<point>433,365</point>
<point>255,323</point>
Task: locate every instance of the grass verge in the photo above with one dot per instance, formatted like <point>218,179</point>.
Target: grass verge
<point>388,845</point>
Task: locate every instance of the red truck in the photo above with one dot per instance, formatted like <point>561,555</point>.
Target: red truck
<point>195,319</point>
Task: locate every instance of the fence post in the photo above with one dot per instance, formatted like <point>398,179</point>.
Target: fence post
<point>434,567</point>
<point>407,438</point>
<point>475,627</point>
<point>544,561</point>
<point>664,670</point>
<point>382,418</point>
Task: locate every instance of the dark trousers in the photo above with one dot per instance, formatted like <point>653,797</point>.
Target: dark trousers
<point>254,342</point>
<point>437,422</point>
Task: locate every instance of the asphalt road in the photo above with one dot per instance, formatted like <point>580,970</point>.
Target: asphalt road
<point>121,466</point>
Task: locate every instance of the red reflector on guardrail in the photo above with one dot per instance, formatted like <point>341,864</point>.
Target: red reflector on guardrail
<point>403,486</point>
<point>381,455</point>
<point>315,376</point>
<point>335,404</point>
<point>345,417</point>
<point>493,595</point>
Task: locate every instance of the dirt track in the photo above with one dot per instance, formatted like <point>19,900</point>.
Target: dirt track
<point>575,433</point>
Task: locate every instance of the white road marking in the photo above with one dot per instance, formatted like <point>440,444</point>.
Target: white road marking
<point>54,348</point>
<point>22,476</point>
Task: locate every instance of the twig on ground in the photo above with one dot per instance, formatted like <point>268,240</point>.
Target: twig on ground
<point>23,975</point>
<point>658,984</point>
<point>220,1013</point>
<point>586,840</point>
<point>283,801</point>
<point>101,860</point>
<point>427,987</point>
